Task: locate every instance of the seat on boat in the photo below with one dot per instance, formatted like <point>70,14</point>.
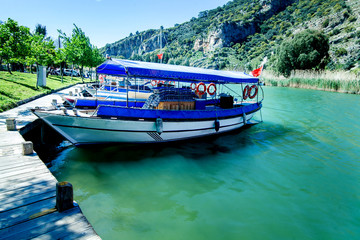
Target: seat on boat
<point>152,102</point>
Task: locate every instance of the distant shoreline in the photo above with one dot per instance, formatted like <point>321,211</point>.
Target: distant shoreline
<point>339,81</point>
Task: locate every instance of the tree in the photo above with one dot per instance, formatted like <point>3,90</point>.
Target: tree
<point>42,52</point>
<point>79,50</point>
<point>308,49</point>
<point>40,29</point>
<point>60,58</point>
<point>14,42</point>
<point>96,58</point>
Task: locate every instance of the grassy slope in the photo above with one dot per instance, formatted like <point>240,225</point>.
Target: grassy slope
<point>21,86</point>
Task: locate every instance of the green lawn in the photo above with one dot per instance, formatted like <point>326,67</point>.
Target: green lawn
<point>20,86</point>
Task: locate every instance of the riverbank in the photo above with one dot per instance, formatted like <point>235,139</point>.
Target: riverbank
<point>20,87</point>
<point>340,81</point>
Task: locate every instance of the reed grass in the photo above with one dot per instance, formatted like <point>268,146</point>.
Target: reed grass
<point>339,81</point>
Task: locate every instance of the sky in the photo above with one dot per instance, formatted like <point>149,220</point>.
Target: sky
<point>103,21</point>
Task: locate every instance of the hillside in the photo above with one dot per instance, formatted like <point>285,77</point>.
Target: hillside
<point>241,33</point>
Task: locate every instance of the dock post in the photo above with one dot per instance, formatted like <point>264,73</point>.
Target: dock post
<point>27,148</point>
<point>10,124</point>
<point>64,196</point>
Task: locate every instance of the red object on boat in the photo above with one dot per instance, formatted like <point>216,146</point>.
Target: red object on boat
<point>257,72</point>
<point>160,56</point>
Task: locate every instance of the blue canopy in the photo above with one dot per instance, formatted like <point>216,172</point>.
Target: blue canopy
<point>121,67</point>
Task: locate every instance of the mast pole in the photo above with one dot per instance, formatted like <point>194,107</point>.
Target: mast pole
<point>161,43</point>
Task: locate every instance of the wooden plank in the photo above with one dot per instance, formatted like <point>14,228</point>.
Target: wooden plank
<point>20,165</point>
<point>22,214</point>
<point>40,225</point>
<point>71,231</point>
<point>25,192</point>
<point>71,223</point>
<point>9,150</point>
<point>10,138</point>
<point>47,180</point>
<point>31,166</point>
<point>18,155</point>
<point>18,192</point>
<point>18,179</point>
<point>27,201</point>
<point>40,179</point>
<point>24,173</point>
<point>17,162</point>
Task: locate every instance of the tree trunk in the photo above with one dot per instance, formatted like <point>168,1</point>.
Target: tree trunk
<point>61,71</point>
<point>22,67</point>
<point>81,73</point>
<point>37,75</point>
<point>72,73</point>
<point>8,68</point>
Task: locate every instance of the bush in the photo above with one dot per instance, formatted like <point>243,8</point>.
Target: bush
<point>340,52</point>
<point>352,19</point>
<point>349,64</point>
<point>307,50</point>
<point>349,29</point>
<point>325,23</point>
<point>336,31</point>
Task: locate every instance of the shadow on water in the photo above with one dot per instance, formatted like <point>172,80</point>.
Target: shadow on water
<point>197,149</point>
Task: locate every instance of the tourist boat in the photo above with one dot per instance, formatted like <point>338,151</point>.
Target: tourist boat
<point>186,103</point>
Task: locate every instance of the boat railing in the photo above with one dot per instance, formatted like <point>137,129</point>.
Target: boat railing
<point>252,93</point>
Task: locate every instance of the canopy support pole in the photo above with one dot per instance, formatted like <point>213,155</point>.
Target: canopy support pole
<point>127,92</point>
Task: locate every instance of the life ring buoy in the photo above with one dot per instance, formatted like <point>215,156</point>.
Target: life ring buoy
<point>211,92</point>
<point>172,83</point>
<point>251,96</point>
<point>153,83</point>
<point>201,91</point>
<point>246,92</point>
<point>102,79</point>
<point>193,86</point>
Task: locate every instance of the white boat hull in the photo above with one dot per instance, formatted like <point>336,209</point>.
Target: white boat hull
<point>95,130</point>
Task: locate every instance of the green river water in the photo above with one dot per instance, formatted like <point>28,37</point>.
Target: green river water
<point>294,176</point>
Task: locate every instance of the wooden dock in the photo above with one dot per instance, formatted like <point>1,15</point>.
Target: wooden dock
<point>28,189</point>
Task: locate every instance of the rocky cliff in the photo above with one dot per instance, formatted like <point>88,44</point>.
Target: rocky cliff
<point>237,31</point>
<point>219,36</point>
<point>137,44</point>
<point>241,33</point>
